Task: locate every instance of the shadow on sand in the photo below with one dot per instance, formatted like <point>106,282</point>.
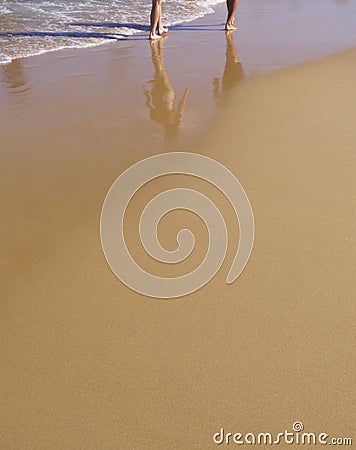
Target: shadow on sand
<point>79,35</point>
<point>146,28</point>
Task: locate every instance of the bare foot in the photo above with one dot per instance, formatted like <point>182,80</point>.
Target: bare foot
<point>230,26</point>
<point>154,37</point>
<point>163,30</point>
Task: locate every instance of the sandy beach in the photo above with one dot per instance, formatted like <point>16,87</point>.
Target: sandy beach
<point>87,363</point>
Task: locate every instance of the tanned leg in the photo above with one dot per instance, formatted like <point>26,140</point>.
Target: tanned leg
<point>155,18</point>
<point>231,10</point>
<point>161,28</point>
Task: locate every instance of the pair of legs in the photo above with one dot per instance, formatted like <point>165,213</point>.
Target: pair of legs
<point>231,10</point>
<point>156,24</point>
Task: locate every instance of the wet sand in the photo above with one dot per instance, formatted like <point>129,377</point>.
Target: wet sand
<point>88,363</point>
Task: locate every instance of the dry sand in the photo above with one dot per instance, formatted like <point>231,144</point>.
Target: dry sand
<point>88,364</point>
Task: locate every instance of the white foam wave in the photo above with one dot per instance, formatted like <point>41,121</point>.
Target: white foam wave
<point>41,26</point>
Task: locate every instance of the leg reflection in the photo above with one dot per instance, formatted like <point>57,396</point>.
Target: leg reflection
<point>160,97</point>
<point>233,71</point>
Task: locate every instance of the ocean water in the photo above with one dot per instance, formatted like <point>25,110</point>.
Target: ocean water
<point>29,27</point>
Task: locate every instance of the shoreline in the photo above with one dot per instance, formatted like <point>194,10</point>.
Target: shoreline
<point>316,40</point>
<point>140,31</point>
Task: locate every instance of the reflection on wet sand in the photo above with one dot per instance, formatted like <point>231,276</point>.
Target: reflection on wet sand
<point>160,97</point>
<point>13,74</point>
<point>233,71</point>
